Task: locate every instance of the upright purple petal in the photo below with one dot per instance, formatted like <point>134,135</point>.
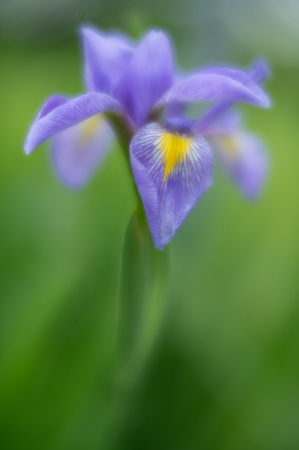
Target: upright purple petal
<point>260,71</point>
<point>149,75</point>
<point>106,59</point>
<point>78,150</point>
<point>52,103</point>
<point>244,157</point>
<point>216,85</point>
<point>171,172</point>
<point>65,115</point>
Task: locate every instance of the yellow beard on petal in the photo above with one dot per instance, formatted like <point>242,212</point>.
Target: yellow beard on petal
<point>89,127</point>
<point>230,146</point>
<point>175,149</point>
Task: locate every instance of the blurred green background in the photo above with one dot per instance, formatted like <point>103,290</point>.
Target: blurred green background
<point>224,374</point>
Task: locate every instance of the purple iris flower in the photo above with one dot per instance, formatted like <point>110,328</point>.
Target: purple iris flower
<point>134,88</point>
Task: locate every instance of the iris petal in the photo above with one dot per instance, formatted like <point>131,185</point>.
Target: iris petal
<point>260,71</point>
<point>149,75</point>
<point>71,112</point>
<point>106,59</point>
<point>250,80</point>
<point>171,172</point>
<point>226,124</point>
<point>52,103</point>
<point>78,150</point>
<point>216,85</point>
<point>244,158</point>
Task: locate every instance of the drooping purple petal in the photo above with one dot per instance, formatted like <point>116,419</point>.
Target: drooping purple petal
<point>244,157</point>
<point>78,150</point>
<point>68,114</point>
<point>216,85</point>
<point>106,59</point>
<point>226,124</point>
<point>171,172</point>
<point>149,75</point>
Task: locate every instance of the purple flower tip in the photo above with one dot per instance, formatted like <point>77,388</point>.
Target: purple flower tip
<point>260,71</point>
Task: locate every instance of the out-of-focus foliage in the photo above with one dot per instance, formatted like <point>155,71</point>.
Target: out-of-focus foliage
<point>225,373</point>
<point>43,19</point>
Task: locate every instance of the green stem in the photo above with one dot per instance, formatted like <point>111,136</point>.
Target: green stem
<point>142,298</point>
<point>141,309</point>
<point>143,292</point>
<point>144,276</point>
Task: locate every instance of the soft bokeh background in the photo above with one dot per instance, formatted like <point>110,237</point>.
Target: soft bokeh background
<point>225,372</point>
